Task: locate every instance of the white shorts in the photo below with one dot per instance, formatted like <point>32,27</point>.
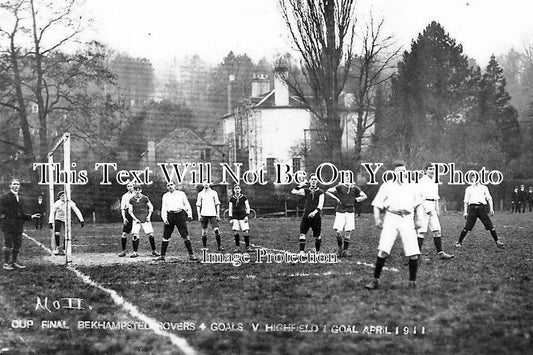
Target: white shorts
<point>394,225</point>
<point>147,228</point>
<point>240,224</point>
<point>344,221</point>
<point>429,218</point>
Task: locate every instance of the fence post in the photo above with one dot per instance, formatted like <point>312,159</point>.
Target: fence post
<point>286,214</point>
<point>501,204</point>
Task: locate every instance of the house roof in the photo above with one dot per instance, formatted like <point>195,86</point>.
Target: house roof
<point>267,101</point>
<point>183,135</point>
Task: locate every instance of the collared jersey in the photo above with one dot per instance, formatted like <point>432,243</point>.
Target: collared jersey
<point>175,201</point>
<point>207,201</point>
<point>477,194</point>
<point>428,188</point>
<point>312,199</point>
<point>238,206</point>
<point>397,197</point>
<point>59,211</point>
<point>140,207</point>
<point>347,196</point>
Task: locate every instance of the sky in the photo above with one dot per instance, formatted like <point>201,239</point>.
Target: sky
<point>161,30</point>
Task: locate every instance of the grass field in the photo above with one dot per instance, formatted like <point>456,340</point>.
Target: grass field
<point>478,303</point>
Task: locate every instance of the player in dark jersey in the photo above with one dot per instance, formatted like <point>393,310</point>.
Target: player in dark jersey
<point>314,202</point>
<point>345,195</point>
<point>140,208</point>
<point>239,209</point>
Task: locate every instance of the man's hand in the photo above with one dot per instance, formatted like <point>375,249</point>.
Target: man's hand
<point>465,215</point>
<point>491,212</point>
<point>125,221</point>
<point>189,218</point>
<point>312,214</point>
<point>82,224</point>
<point>165,221</point>
<point>200,218</point>
<point>218,218</point>
<point>378,223</point>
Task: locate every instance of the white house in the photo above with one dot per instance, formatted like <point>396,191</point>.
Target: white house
<point>269,127</point>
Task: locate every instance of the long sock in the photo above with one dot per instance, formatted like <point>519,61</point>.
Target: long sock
<point>14,256</point>
<point>438,243</point>
<point>135,244</point>
<point>302,244</point>
<point>494,235</point>
<point>318,243</point>
<point>57,237</point>
<point>188,245</point>
<point>346,243</point>
<point>237,239</point>
<point>204,241</point>
<point>420,243</point>
<point>152,242</point>
<point>7,256</point>
<point>462,236</point>
<point>380,262</point>
<point>217,238</point>
<point>123,242</point>
<point>339,241</point>
<point>164,246</point>
<point>247,240</point>
<point>413,267</point>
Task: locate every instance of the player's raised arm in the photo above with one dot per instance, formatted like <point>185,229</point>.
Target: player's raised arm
<point>298,190</point>
<point>362,196</point>
<point>331,193</point>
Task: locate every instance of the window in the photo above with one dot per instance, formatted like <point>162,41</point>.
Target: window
<point>296,164</point>
<point>205,154</point>
<point>270,166</point>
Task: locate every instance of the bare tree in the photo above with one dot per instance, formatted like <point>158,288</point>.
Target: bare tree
<point>372,68</point>
<point>323,32</point>
<point>45,70</point>
<point>11,75</point>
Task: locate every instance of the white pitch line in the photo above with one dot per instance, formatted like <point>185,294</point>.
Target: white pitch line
<point>181,343</point>
<point>350,262</point>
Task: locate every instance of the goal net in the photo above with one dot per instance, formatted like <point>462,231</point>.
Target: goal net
<point>62,147</point>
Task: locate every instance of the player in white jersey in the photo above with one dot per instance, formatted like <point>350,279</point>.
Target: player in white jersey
<point>58,218</point>
<point>478,204</point>
<point>127,220</point>
<point>397,206</point>
<point>208,208</point>
<point>429,190</point>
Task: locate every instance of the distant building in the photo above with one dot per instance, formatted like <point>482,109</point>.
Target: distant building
<point>270,126</point>
<point>182,146</point>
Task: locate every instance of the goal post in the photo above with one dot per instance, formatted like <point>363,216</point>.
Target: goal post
<point>63,142</point>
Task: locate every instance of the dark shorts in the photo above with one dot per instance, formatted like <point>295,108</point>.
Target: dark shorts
<point>126,228</point>
<point>478,211</point>
<point>206,220</point>
<point>58,225</point>
<point>314,223</point>
<point>176,219</point>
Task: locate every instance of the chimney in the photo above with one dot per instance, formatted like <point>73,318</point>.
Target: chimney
<point>260,84</point>
<point>151,154</point>
<point>231,80</point>
<point>281,89</point>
